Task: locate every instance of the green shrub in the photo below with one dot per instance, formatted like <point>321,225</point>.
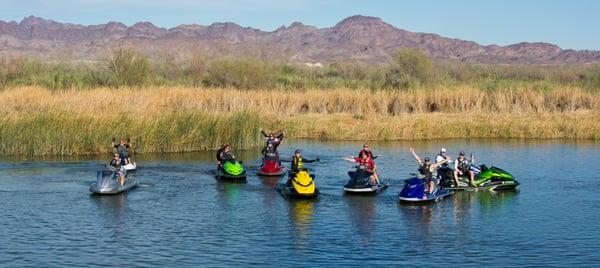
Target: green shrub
<point>128,68</point>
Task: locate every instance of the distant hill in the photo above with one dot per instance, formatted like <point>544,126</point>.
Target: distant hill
<point>357,38</point>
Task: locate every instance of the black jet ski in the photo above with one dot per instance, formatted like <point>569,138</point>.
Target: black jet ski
<point>107,182</point>
<point>360,183</point>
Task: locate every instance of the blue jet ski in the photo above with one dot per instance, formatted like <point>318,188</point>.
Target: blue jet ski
<point>107,182</point>
<point>360,183</point>
<point>415,189</point>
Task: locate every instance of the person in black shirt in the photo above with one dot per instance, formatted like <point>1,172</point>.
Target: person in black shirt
<point>123,151</point>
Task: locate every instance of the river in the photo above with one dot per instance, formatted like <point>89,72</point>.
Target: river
<point>182,216</point>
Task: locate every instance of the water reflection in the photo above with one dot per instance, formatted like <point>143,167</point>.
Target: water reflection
<point>420,217</point>
<point>462,207</point>
<point>112,210</point>
<point>271,196</point>
<point>269,182</point>
<point>362,211</point>
<point>301,214</point>
<point>496,200</point>
<point>229,193</point>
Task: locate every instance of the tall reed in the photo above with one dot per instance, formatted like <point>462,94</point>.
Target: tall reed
<point>38,121</point>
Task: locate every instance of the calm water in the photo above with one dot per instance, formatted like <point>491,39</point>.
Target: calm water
<point>181,216</point>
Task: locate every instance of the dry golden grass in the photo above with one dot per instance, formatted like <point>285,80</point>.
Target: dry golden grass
<point>35,121</point>
<point>152,101</point>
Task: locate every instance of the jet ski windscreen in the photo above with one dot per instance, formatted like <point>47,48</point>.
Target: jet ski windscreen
<point>105,177</point>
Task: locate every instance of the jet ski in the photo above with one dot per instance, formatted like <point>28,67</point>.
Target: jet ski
<point>301,185</point>
<point>231,171</point>
<point>107,183</point>
<point>491,179</point>
<point>414,191</point>
<point>130,167</point>
<point>271,166</point>
<point>360,183</point>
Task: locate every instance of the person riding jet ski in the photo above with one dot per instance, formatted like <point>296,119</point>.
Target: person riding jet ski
<point>270,151</point>
<point>369,165</point>
<point>116,163</point>
<point>297,161</point>
<point>444,170</point>
<point>366,150</point>
<point>123,150</point>
<point>464,167</point>
<point>223,155</point>
<point>272,139</point>
<point>426,169</point>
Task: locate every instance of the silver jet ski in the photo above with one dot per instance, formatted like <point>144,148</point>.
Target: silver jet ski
<point>107,182</point>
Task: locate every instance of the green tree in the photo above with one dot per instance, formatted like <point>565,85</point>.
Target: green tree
<point>128,68</point>
<point>409,67</point>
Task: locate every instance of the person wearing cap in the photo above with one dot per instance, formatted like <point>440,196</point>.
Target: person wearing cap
<point>122,150</point>
<point>297,161</point>
<point>370,166</point>
<point>462,167</point>
<point>444,166</point>
<point>426,169</point>
<point>442,156</point>
<point>223,155</point>
<point>272,139</point>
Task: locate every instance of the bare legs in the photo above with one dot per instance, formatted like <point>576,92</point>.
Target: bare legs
<point>122,179</point>
<point>471,177</point>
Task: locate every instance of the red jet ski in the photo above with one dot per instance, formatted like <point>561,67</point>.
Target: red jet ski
<point>271,166</point>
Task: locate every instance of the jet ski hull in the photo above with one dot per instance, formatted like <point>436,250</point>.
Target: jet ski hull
<point>414,192</point>
<point>223,176</point>
<point>360,183</point>
<point>271,167</point>
<point>490,179</point>
<point>374,189</point>
<point>130,167</point>
<point>289,192</point>
<point>492,186</point>
<point>231,171</point>
<point>107,183</point>
<point>267,174</point>
<point>115,189</point>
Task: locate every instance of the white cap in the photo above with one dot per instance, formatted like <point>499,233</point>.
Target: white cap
<point>443,150</point>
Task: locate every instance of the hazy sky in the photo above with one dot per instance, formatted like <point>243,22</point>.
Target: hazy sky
<point>569,24</point>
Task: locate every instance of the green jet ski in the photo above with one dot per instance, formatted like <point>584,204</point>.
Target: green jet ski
<point>232,171</point>
<point>492,179</point>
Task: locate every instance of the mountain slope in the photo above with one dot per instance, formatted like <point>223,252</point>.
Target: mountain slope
<point>357,38</point>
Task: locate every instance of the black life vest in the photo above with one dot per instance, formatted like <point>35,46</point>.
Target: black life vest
<point>115,163</point>
<point>220,155</point>
<point>425,170</point>
<point>463,165</point>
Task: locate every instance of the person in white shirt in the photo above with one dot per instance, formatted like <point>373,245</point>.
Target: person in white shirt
<point>442,157</point>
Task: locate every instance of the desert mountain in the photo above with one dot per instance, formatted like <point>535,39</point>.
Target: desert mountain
<point>357,38</point>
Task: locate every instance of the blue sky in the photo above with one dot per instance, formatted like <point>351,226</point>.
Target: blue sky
<point>569,24</point>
